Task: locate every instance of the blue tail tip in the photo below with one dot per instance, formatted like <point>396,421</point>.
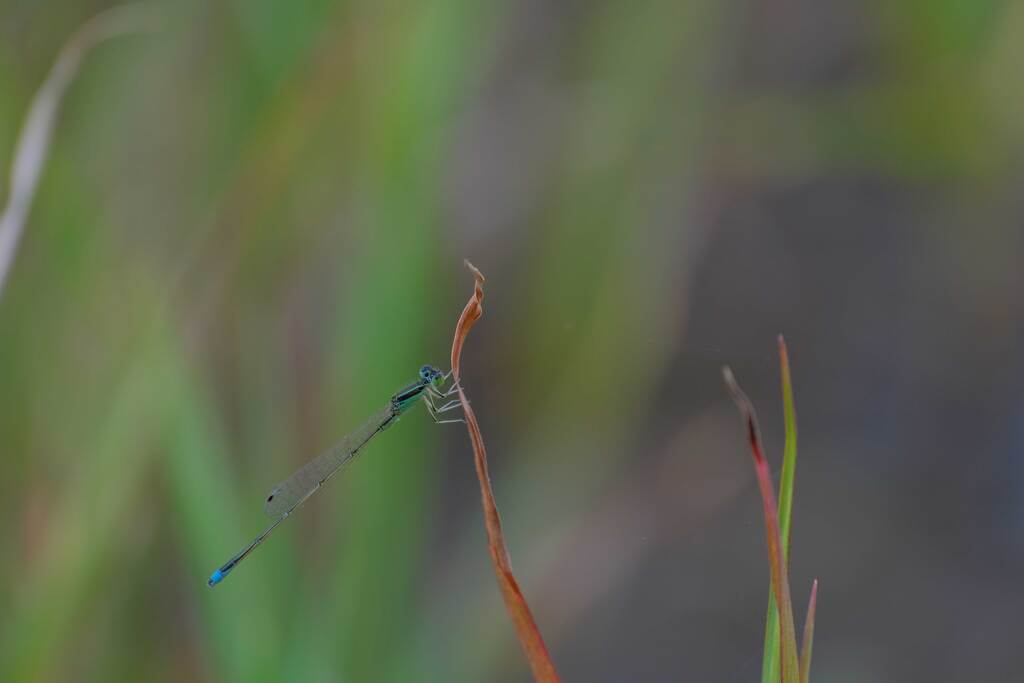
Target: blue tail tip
<point>215,578</point>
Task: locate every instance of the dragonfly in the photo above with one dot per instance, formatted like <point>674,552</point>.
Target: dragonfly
<point>284,498</point>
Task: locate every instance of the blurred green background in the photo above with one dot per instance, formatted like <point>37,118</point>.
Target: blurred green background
<point>251,232</point>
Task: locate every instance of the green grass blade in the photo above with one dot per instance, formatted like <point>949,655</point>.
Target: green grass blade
<point>90,516</point>
<point>210,524</point>
<point>770,668</point>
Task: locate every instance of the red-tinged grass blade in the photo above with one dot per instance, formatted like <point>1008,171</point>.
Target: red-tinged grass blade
<point>780,580</point>
<point>770,666</point>
<point>526,628</point>
<point>808,644</point>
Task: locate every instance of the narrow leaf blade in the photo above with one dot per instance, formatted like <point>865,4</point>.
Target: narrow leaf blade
<point>808,644</point>
<point>770,667</point>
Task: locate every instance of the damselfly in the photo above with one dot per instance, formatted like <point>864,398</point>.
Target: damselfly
<point>293,491</point>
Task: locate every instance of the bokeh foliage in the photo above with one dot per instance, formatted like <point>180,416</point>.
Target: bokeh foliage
<point>251,232</point>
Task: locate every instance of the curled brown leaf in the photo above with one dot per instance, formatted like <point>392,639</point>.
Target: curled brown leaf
<point>526,628</point>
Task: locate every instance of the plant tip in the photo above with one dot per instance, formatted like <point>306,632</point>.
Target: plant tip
<point>476,271</point>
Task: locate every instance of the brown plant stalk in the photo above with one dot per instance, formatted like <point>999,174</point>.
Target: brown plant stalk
<point>526,628</point>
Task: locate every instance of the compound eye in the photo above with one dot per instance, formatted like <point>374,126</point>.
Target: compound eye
<point>427,372</point>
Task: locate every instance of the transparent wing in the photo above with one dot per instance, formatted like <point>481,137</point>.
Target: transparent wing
<point>291,492</point>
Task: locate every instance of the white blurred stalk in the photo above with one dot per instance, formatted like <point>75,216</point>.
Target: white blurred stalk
<point>33,144</point>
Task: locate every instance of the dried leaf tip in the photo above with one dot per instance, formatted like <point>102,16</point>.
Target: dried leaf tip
<point>734,390</point>
<point>746,408</point>
<point>476,272</point>
<point>783,354</point>
<point>470,314</point>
